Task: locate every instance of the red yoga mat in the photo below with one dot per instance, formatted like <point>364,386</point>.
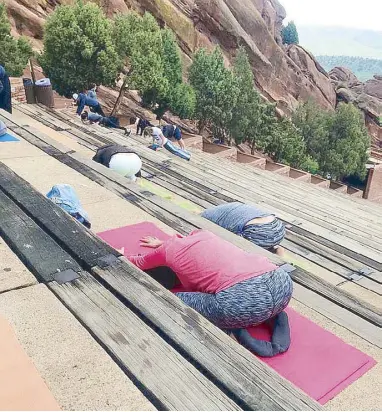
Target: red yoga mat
<point>317,362</point>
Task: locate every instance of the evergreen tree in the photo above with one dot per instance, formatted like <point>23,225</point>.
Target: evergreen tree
<point>216,92</point>
<point>78,48</point>
<point>289,34</point>
<point>346,154</point>
<point>286,144</point>
<point>154,61</point>
<point>14,54</point>
<point>254,121</point>
<point>337,141</point>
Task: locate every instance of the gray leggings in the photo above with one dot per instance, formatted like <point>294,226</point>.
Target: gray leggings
<point>248,303</point>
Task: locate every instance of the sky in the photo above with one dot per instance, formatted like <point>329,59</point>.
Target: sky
<point>365,14</point>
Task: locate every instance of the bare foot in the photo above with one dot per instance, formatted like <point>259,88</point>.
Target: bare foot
<point>279,251</point>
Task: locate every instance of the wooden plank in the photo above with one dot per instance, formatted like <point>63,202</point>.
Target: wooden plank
<point>337,247</point>
<point>166,378</point>
<point>345,273</point>
<point>39,253</point>
<point>362,309</point>
<point>353,266</point>
<point>253,172</point>
<point>89,249</point>
<point>231,366</point>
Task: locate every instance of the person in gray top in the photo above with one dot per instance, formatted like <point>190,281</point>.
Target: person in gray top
<point>261,228</point>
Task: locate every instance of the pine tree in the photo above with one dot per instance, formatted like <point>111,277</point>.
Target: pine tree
<point>14,54</point>
<point>78,48</point>
<point>289,34</point>
<point>216,92</point>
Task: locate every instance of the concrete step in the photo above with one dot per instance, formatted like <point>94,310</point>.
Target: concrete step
<point>300,175</point>
<point>219,150</point>
<point>338,187</point>
<point>320,181</point>
<point>194,141</point>
<point>251,160</point>
<point>278,168</point>
<point>354,192</point>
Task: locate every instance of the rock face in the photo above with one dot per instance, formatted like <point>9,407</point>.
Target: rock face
<point>367,96</point>
<point>284,76</point>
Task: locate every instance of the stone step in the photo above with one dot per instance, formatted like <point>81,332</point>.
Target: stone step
<point>300,175</point>
<point>219,150</point>
<point>251,160</point>
<point>320,181</point>
<point>338,187</point>
<point>277,168</point>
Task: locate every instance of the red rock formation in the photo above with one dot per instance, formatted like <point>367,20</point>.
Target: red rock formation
<point>367,96</point>
<point>285,76</point>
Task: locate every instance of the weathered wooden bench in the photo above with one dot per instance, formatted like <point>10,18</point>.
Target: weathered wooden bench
<point>184,222</point>
<point>175,356</point>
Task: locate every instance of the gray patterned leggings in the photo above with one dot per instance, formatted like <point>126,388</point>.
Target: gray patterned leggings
<point>245,304</point>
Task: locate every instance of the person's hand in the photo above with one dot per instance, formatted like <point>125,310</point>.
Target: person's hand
<point>151,242</point>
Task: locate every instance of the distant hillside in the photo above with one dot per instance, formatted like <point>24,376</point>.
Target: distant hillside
<point>363,68</point>
<point>340,41</point>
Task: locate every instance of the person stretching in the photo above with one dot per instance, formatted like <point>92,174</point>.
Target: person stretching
<point>141,124</point>
<point>261,228</point>
<point>107,121</point>
<point>159,141</point>
<point>230,287</point>
<point>121,159</point>
<point>82,100</point>
<point>173,132</point>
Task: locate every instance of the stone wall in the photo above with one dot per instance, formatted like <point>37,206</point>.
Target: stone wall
<point>373,190</point>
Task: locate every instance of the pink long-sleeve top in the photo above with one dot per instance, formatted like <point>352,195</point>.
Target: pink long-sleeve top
<point>204,262</point>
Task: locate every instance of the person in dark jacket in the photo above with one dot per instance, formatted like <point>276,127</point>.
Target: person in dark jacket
<point>82,100</point>
<point>141,124</point>
<point>174,133</point>
<point>121,159</point>
<point>5,91</point>
<point>107,121</point>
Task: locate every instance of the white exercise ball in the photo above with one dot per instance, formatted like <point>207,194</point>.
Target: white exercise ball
<point>126,164</point>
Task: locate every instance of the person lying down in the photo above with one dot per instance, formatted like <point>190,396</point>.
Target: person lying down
<point>261,228</point>
<point>233,289</point>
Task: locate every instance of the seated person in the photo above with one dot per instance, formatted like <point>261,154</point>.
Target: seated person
<point>107,121</point>
<point>173,132</point>
<point>261,228</point>
<point>159,141</point>
<point>121,159</point>
<point>233,289</point>
<point>92,92</point>
<point>81,100</point>
<point>141,124</point>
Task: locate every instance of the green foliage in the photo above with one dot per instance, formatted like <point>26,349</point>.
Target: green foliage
<point>246,110</point>
<point>338,141</point>
<point>310,165</point>
<point>346,153</point>
<point>289,34</point>
<point>78,48</point>
<point>183,101</point>
<point>286,144</point>
<point>14,54</point>
<point>216,91</point>
<point>363,68</point>
<point>154,60</point>
<point>313,124</point>
<point>254,121</point>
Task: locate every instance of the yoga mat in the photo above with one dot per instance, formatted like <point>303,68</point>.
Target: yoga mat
<point>317,362</point>
<point>8,138</point>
